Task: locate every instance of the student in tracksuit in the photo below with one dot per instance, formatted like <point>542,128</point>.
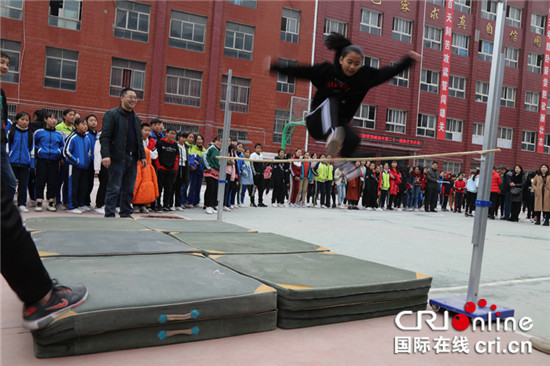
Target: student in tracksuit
<point>21,152</point>
<point>48,144</point>
<point>78,153</point>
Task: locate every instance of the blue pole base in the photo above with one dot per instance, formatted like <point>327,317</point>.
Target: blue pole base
<point>456,305</point>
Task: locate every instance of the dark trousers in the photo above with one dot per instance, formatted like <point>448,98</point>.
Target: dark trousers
<point>102,190</point>
<point>46,174</point>
<point>78,186</point>
<point>383,197</point>
<point>228,190</point>
<point>328,191</point>
<point>493,210</point>
<point>470,201</point>
<point>279,188</point>
<point>89,186</point>
<point>20,263</point>
<point>430,201</point>
<point>516,208</point>
<point>211,193</point>
<point>393,201</point>
<point>371,197</point>
<point>310,191</point>
<point>122,180</point>
<point>322,189</point>
<point>458,201</point>
<point>178,188</point>
<point>7,173</point>
<point>166,179</point>
<point>63,183</point>
<point>195,184</point>
<point>31,185</point>
<point>241,193</point>
<point>259,184</point>
<point>444,203</point>
<point>21,173</point>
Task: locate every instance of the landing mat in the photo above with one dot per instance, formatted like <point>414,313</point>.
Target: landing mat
<point>246,243</point>
<point>192,226</point>
<point>142,291</point>
<point>99,242</point>
<point>82,223</point>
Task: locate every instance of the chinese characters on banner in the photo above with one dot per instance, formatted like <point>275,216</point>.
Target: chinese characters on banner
<point>544,95</point>
<point>444,92</point>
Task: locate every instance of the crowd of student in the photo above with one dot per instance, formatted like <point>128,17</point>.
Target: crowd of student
<point>64,157</point>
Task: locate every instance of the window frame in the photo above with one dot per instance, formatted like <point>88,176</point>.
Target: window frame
<point>401,35</point>
<point>12,76</point>
<point>279,123</point>
<point>530,145</point>
<point>246,3</point>
<point>330,21</point>
<point>234,104</point>
<point>245,53</point>
<point>508,97</point>
<point>55,20</point>
<point>401,79</point>
<point>435,42</point>
<point>364,121</point>
<point>457,132</point>
<point>426,126</point>
<point>489,10</point>
<point>458,49</point>
<point>533,104</point>
<point>372,60</point>
<point>63,59</point>
<point>369,27</point>
<point>463,6</point>
<point>478,95</point>
<point>511,61</point>
<point>484,56</point>
<point>198,23</point>
<point>513,22</point>
<point>285,83</point>
<point>288,35</point>
<point>457,92</point>
<point>538,28</point>
<point>129,33</point>
<point>534,68</point>
<point>7,10</point>
<point>429,86</point>
<point>399,123</point>
<point>186,99</point>
<point>114,90</point>
<point>502,137</point>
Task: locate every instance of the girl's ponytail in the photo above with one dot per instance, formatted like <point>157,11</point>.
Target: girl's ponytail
<point>341,45</point>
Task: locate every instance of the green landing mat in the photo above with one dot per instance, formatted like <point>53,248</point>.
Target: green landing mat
<point>130,296</point>
<point>82,223</point>
<point>246,243</point>
<point>325,287</point>
<point>99,242</point>
<point>192,226</point>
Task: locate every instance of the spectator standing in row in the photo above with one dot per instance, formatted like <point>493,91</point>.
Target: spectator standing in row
<point>66,127</point>
<point>471,193</point>
<point>157,129</point>
<point>182,174</point>
<point>496,181</point>
<point>246,176</point>
<point>459,188</point>
<point>370,193</point>
<point>146,189</point>
<point>78,154</point>
<point>196,167</point>
<point>432,189</point>
<point>280,180</point>
<point>384,186</point>
<point>541,187</point>
<point>504,196</point>
<point>295,173</point>
<point>517,181</point>
<point>120,151</point>
<point>91,121</point>
<point>167,168</point>
<point>418,186</point>
<point>305,178</point>
<point>21,156</point>
<point>259,168</point>
<point>212,174</point>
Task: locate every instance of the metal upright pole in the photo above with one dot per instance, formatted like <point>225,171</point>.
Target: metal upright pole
<point>487,161</point>
<point>225,140</point>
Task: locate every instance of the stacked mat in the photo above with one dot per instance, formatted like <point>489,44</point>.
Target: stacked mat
<point>315,286</point>
<point>146,288</point>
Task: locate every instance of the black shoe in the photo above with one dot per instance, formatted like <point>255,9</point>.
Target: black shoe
<point>492,217</point>
<point>433,210</point>
<point>127,217</point>
<point>63,299</point>
<point>166,209</point>
<point>253,205</point>
<point>262,205</point>
<point>546,223</point>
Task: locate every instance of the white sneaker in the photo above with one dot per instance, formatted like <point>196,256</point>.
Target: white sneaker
<point>100,210</point>
<point>31,203</point>
<point>60,207</point>
<point>227,209</point>
<point>75,211</point>
<point>143,209</point>
<point>274,205</point>
<point>234,207</point>
<point>179,208</point>
<point>209,210</point>
<point>323,206</point>
<point>399,209</point>
<point>416,210</point>
<point>379,209</point>
<point>117,210</point>
<point>334,140</point>
<point>23,209</point>
<point>85,208</point>
<point>242,205</point>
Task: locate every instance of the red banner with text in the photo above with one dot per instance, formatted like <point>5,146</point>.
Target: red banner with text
<point>544,95</point>
<point>444,92</point>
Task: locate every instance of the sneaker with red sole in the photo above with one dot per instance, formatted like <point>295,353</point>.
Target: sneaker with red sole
<point>63,299</point>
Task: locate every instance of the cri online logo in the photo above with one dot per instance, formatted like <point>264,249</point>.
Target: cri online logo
<point>461,322</point>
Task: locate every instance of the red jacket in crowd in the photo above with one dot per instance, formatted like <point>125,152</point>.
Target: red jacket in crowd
<point>460,186</point>
<point>496,182</point>
<point>395,181</point>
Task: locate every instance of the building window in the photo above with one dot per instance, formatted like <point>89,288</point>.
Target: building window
<point>372,62</point>
<point>511,56</point>
<point>187,31</point>
<point>538,23</point>
<point>463,5</point>
<point>489,9</point>
<point>240,94</point>
<point>546,149</point>
<point>182,127</point>
<point>423,163</point>
<point>12,111</point>
<point>13,50</point>
<point>425,125</point>
<point>482,91</point>
<point>457,87</point>
<point>478,133</point>
<point>286,83</point>
<point>290,25</point>
<point>485,51</point>
<point>183,86</point>
<point>402,30</point>
<point>11,9</point>
<point>513,16</point>
<point>236,135</point>
<point>247,3</point>
<point>61,68</point>
<point>432,37</point>
<point>371,22</point>
<point>365,117</point>
<point>429,81</point>
<point>127,74</point>
<point>239,41</point>
<point>401,79</point>
<point>532,101</point>
<point>65,14</point>
<point>460,44</point>
<point>452,166</point>
<point>453,131</point>
<point>396,121</point>
<point>528,141</point>
<point>436,2</point>
<point>282,117</point>
<point>508,98</point>
<point>336,26</point>
<point>534,63</point>
<point>132,20</point>
<point>504,137</point>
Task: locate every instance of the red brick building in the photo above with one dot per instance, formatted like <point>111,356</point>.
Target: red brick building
<point>177,53</point>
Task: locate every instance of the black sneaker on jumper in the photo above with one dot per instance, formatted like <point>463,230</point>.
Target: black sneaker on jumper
<point>63,299</point>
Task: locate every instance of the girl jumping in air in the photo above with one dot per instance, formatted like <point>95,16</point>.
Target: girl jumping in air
<point>341,87</point>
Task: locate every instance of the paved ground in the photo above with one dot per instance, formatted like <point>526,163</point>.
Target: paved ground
<point>515,273</point>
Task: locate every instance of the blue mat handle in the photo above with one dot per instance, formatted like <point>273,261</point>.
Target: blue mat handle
<point>163,318</point>
<point>163,334</point>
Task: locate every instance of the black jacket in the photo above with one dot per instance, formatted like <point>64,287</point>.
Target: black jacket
<point>113,134</point>
<point>432,179</point>
<point>330,81</point>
